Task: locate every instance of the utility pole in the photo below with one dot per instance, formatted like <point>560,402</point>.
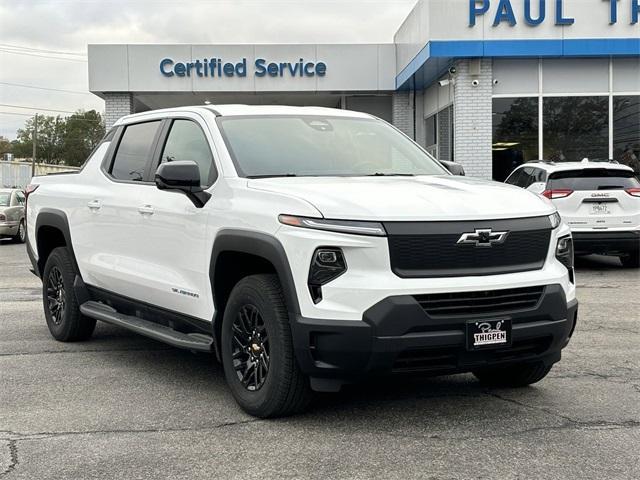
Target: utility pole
<point>35,145</point>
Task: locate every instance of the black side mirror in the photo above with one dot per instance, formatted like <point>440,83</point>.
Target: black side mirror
<point>183,176</point>
<point>453,167</point>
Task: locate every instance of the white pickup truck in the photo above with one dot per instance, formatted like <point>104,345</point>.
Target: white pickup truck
<point>305,248</point>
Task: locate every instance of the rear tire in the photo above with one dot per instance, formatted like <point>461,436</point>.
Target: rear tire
<point>257,350</point>
<point>519,375</point>
<point>631,260</point>
<point>61,308</point>
<point>20,234</point>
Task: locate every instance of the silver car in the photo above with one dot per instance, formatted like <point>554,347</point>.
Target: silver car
<point>12,222</point>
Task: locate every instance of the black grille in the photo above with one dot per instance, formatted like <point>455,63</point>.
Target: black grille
<point>431,249</point>
<point>480,302</point>
<point>449,359</point>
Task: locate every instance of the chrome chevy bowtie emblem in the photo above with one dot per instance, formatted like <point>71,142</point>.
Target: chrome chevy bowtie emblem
<point>483,237</point>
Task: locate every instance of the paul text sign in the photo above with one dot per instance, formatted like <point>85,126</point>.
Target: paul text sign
<point>534,12</point>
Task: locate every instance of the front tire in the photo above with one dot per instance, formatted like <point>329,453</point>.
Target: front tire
<point>20,235</point>
<point>257,350</point>
<point>519,375</point>
<point>61,308</point>
<point>631,260</point>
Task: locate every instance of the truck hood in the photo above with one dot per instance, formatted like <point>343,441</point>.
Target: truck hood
<point>419,198</point>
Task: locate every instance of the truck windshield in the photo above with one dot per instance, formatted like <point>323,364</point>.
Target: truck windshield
<point>287,146</point>
<point>593,179</point>
<point>4,199</point>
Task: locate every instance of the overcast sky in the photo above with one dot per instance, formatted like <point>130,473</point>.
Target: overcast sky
<point>27,27</point>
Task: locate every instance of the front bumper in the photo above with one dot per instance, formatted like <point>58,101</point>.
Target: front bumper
<point>397,336</point>
<point>606,242</point>
<point>8,229</point>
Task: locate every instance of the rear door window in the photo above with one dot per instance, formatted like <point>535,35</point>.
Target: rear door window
<point>539,175</point>
<point>593,179</point>
<point>515,177</point>
<point>134,151</point>
<point>528,177</point>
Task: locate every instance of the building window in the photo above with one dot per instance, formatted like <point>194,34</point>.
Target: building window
<point>515,134</point>
<point>576,128</point>
<point>445,134</point>
<point>431,133</point>
<point>626,130</point>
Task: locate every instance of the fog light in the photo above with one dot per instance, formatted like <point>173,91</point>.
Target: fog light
<point>327,264</point>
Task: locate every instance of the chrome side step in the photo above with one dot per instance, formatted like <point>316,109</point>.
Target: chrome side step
<point>190,341</point>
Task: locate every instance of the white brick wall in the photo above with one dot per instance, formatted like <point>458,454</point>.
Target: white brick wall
<point>472,119</point>
<point>117,105</point>
<point>402,112</point>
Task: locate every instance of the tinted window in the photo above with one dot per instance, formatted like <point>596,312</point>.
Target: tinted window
<point>134,151</point>
<point>626,131</point>
<point>186,141</point>
<point>528,177</point>
<point>539,175</point>
<point>322,146</point>
<point>515,134</point>
<point>576,128</point>
<point>515,177</point>
<point>593,179</point>
<point>431,130</point>
<point>20,198</point>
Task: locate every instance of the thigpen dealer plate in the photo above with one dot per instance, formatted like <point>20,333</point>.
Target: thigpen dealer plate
<point>488,333</point>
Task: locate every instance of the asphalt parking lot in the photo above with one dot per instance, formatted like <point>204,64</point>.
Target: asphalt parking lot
<point>122,406</point>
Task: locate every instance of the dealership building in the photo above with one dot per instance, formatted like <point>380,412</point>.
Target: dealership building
<point>486,83</point>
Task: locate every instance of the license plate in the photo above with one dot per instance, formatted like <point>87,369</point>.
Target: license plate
<point>488,334</point>
<point>600,209</point>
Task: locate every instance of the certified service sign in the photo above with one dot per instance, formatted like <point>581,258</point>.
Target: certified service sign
<point>216,67</point>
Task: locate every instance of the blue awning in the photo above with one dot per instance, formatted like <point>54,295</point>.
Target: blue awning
<point>436,56</point>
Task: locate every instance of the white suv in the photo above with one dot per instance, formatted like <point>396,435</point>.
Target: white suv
<point>305,248</point>
<point>600,201</point>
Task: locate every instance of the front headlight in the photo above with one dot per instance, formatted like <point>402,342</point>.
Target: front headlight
<point>339,226</point>
<point>327,264</point>
<point>555,220</point>
<point>564,254</point>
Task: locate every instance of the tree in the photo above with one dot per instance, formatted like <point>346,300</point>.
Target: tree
<point>82,132</point>
<point>61,140</point>
<point>5,145</point>
<point>49,130</point>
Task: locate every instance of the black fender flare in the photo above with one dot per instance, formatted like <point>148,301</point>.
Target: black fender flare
<point>260,245</point>
<point>52,217</point>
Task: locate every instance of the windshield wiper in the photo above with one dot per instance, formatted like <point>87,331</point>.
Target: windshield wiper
<point>275,175</point>
<point>380,174</point>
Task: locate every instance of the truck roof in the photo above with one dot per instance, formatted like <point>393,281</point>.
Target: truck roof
<point>238,110</point>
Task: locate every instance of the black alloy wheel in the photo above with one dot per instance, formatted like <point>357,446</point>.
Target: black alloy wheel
<point>250,349</point>
<point>61,309</point>
<point>56,295</point>
<point>256,348</point>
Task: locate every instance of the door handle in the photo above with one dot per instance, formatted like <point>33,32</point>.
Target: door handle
<point>94,204</point>
<point>145,210</point>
